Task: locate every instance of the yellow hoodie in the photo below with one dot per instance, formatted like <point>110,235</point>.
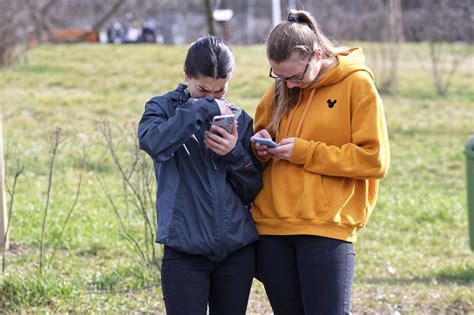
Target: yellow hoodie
<point>329,186</point>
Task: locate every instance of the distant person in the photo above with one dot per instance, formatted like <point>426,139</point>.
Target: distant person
<point>207,179</point>
<point>159,37</point>
<point>133,32</point>
<point>115,33</point>
<point>149,31</point>
<point>320,184</point>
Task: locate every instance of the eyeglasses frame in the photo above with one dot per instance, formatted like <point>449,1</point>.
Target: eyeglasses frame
<point>297,78</point>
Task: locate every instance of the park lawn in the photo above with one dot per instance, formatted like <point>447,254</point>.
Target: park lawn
<point>413,257</point>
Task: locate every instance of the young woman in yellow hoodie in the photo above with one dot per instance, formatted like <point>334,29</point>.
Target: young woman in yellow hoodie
<point>321,182</point>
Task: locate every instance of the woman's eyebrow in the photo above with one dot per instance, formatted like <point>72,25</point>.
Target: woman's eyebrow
<point>202,88</point>
<point>207,90</point>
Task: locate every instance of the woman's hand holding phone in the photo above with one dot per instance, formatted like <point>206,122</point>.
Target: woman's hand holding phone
<point>282,150</point>
<point>262,149</point>
<point>219,140</point>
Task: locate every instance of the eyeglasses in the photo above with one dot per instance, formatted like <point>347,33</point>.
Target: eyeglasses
<point>297,78</point>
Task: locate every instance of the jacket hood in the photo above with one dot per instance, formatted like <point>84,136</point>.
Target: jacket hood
<point>349,61</point>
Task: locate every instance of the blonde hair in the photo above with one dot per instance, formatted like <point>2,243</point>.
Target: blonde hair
<point>299,33</point>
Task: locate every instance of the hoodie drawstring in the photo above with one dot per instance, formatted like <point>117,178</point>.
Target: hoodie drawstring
<point>300,123</point>
<point>291,115</point>
<point>303,116</point>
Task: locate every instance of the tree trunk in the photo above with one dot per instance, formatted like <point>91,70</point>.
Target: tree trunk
<point>3,201</point>
<point>395,38</point>
<point>209,18</point>
<point>96,27</point>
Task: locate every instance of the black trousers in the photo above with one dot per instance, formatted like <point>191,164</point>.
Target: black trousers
<point>192,282</point>
<point>305,274</point>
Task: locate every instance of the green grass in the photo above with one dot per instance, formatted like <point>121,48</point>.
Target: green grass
<point>413,257</point>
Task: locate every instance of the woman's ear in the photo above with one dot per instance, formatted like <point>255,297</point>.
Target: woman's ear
<point>318,53</point>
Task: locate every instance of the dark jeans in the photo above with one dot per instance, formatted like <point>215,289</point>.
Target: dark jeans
<point>190,282</point>
<point>305,274</point>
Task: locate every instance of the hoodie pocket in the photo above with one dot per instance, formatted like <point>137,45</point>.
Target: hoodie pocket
<point>314,203</point>
<point>345,201</point>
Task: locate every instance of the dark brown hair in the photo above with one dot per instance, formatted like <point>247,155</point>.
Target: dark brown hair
<point>209,57</point>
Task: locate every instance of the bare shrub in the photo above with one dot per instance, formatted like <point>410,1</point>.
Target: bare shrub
<point>55,144</point>
<point>11,190</point>
<point>442,23</point>
<point>137,179</point>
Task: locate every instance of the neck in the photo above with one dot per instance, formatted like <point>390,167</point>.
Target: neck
<point>327,64</point>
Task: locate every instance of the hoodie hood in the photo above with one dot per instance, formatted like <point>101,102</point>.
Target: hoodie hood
<point>349,61</point>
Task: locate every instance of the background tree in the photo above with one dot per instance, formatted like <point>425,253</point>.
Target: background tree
<point>438,23</point>
<point>3,202</point>
<point>209,18</point>
<point>14,30</point>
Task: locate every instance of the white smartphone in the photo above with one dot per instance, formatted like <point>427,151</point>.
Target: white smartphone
<point>266,141</point>
<point>224,121</point>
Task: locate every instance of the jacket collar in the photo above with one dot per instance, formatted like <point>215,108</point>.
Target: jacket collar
<point>180,94</point>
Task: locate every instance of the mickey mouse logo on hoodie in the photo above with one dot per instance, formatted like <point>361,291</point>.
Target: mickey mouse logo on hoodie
<point>331,103</point>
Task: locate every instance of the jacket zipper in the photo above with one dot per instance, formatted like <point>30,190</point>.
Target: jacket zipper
<point>217,209</point>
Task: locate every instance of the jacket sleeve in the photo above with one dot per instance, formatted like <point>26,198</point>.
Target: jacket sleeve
<point>367,156</point>
<point>243,170</point>
<point>160,136</point>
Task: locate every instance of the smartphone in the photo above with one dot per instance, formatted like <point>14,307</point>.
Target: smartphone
<point>266,141</point>
<point>224,121</point>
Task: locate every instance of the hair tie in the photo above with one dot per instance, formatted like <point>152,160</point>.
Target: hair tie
<point>293,18</point>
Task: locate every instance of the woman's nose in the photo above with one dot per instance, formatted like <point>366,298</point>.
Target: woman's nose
<point>218,95</point>
<point>212,94</point>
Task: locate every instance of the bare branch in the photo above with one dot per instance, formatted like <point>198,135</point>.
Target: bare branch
<point>134,181</point>
<point>18,171</point>
<point>119,217</point>
<point>73,206</point>
<point>111,147</point>
<point>54,148</point>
